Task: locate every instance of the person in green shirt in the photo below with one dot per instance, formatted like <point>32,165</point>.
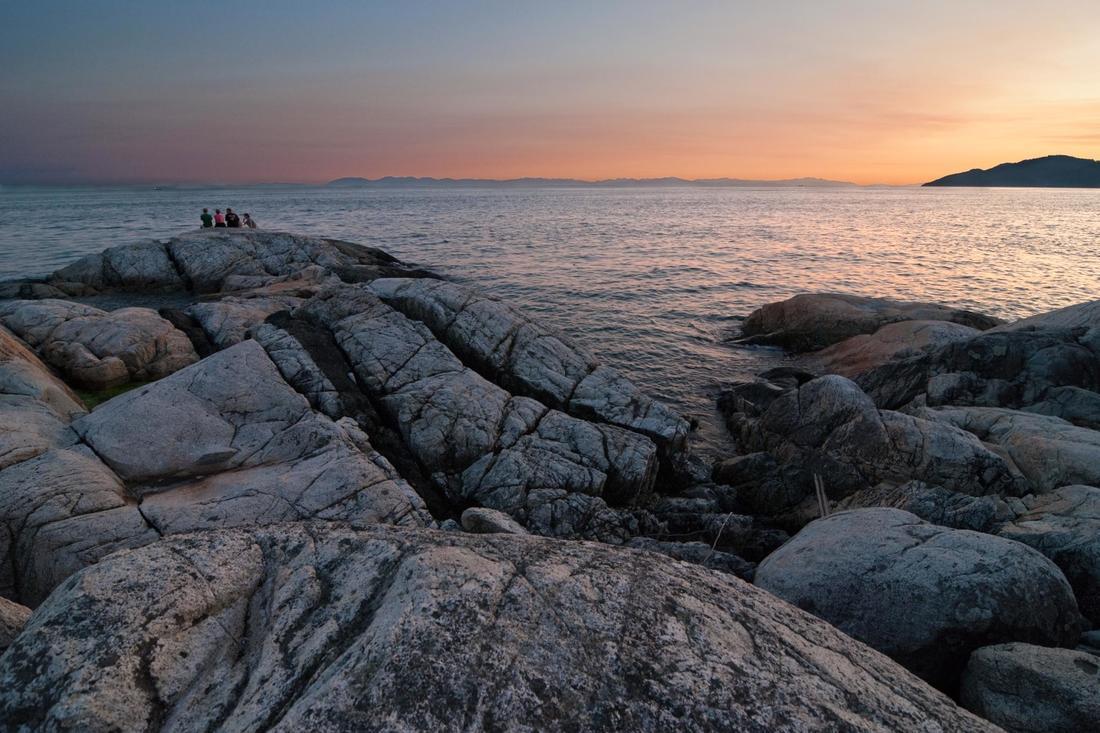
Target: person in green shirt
<point>207,220</point>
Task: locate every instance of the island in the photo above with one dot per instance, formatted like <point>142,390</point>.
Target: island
<point>1051,171</point>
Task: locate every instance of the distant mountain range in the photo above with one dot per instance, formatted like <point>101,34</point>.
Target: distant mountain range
<point>409,181</point>
<point>1052,171</point>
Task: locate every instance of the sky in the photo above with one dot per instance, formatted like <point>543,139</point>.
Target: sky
<point>272,90</point>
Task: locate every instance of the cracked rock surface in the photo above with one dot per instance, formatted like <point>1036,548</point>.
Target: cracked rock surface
<point>924,595</point>
<point>325,627</point>
<point>222,443</point>
<point>527,358</point>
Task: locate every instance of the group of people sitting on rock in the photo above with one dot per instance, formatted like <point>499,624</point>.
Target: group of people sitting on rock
<point>228,219</point>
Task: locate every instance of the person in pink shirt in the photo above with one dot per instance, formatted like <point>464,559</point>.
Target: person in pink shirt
<point>219,218</point>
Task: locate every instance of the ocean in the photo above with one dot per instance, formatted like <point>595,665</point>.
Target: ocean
<point>651,280</point>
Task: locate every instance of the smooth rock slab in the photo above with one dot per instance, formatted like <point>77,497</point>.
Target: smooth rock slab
<point>1032,689</point>
<point>812,321</point>
<point>314,627</point>
<point>925,595</point>
<point>853,356</point>
<point>1064,525</point>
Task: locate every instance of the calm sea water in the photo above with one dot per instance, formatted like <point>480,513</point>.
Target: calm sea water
<point>651,280</point>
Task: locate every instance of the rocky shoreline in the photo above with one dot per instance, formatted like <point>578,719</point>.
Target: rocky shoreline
<point>324,489</point>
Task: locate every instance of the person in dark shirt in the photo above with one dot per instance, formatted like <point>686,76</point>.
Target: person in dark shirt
<point>207,220</point>
<point>232,220</point>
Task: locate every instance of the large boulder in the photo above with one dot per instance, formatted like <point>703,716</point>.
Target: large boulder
<point>855,355</point>
<point>1049,451</point>
<point>812,321</point>
<point>1025,688</point>
<point>219,259</point>
<point>322,627</point>
<point>1064,525</point>
<point>925,595</point>
<point>529,359</point>
<point>223,443</point>
<point>97,349</point>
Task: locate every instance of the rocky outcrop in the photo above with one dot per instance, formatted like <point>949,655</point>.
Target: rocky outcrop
<point>222,443</point>
<point>828,426</point>
<point>528,359</point>
<point>1079,316</point>
<point>218,260</point>
<point>937,505</point>
<point>480,443</point>
<point>855,355</point>
<point>698,553</point>
<point>1064,525</point>
<point>1025,688</point>
<point>307,627</point>
<point>810,322</point>
<point>1055,372</point>
<point>97,349</point>
<point>22,374</point>
<point>924,595</point>
<point>13,618</point>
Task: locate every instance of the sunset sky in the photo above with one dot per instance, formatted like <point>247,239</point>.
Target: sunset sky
<point>292,91</point>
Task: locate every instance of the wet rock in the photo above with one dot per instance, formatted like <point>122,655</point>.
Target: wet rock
<point>12,619</point>
<point>480,520</point>
<point>529,359</point>
<point>813,321</point>
<point>936,504</point>
<point>925,595</point>
<point>480,443</point>
<point>323,627</point>
<point>1048,451</point>
<point>1026,688</point>
<point>230,320</point>
<point>855,355</point>
<point>215,260</point>
<point>1064,525</point>
<point>98,349</point>
<point>697,553</point>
